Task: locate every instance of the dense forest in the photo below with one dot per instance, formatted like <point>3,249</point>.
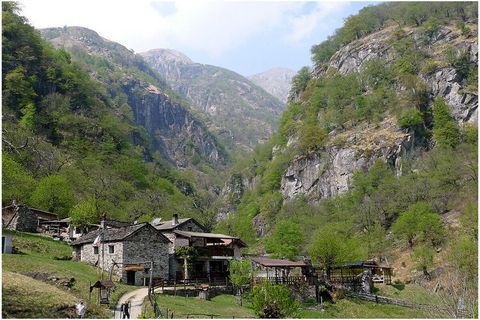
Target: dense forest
<point>70,145</point>
<point>389,209</point>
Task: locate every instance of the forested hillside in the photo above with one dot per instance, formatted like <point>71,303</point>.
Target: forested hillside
<point>376,154</point>
<point>72,145</point>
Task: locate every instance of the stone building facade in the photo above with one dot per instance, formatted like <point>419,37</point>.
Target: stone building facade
<point>168,229</point>
<point>136,245</point>
<point>215,249</point>
<point>20,217</point>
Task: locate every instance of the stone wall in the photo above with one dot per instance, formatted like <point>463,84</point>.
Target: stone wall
<point>147,244</point>
<point>23,219</point>
<point>87,255</point>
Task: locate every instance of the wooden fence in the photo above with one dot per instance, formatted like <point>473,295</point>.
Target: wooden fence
<point>281,280</point>
<point>393,301</point>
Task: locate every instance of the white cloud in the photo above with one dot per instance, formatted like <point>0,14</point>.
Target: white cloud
<point>303,25</point>
<point>211,27</point>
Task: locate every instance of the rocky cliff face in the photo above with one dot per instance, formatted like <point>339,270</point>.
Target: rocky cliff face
<point>240,112</point>
<point>329,173</point>
<point>276,81</point>
<point>173,130</point>
<point>445,82</point>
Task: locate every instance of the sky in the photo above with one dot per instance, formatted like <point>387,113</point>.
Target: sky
<point>247,37</point>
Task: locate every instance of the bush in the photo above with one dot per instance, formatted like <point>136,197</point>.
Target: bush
<point>273,301</point>
<point>411,118</point>
<point>445,130</point>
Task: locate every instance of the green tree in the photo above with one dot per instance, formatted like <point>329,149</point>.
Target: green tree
<point>85,212</point>
<point>300,80</point>
<point>17,184</point>
<point>419,223</point>
<point>273,301</point>
<point>240,275</point>
<point>423,257</point>
<point>286,240</point>
<point>331,246</point>
<point>53,194</point>
<point>445,129</point>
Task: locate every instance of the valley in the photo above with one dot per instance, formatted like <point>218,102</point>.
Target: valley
<point>369,155</point>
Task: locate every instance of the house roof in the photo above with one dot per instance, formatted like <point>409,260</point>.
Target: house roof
<point>360,264</point>
<point>66,220</point>
<point>51,214</point>
<point>168,224</point>
<point>279,263</point>
<point>190,234</point>
<point>113,234</point>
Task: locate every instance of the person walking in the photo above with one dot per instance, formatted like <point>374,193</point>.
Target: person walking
<point>81,308</point>
<point>125,310</point>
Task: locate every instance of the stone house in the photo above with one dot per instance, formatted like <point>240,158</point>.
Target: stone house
<point>20,217</point>
<point>131,247</point>
<point>214,250</point>
<point>64,230</point>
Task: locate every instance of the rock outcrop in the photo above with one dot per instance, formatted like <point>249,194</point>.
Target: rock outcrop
<point>445,82</point>
<point>329,173</point>
<point>174,131</point>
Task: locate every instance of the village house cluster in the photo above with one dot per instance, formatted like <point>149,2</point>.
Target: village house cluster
<point>134,252</point>
<point>176,250</point>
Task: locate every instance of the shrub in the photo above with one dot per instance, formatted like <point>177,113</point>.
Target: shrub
<point>273,301</point>
<point>411,118</point>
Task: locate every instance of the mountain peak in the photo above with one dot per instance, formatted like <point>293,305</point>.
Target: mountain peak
<point>275,81</point>
<point>168,55</point>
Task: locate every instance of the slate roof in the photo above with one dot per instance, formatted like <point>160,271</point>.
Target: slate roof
<point>266,262</point>
<point>360,264</point>
<point>206,235</point>
<point>168,224</point>
<point>113,234</point>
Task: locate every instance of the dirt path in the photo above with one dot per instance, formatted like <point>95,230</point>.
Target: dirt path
<point>136,298</point>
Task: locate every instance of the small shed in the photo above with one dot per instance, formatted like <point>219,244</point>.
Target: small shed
<point>104,287</point>
<point>7,246</point>
<point>279,270</point>
<point>346,271</point>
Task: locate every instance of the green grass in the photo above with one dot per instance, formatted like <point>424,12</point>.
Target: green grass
<point>222,306</point>
<point>353,308</point>
<point>408,292</point>
<point>21,298</point>
<point>37,255</point>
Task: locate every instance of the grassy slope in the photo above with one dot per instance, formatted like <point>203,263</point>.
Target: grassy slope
<point>20,298</point>
<point>37,256</point>
<point>352,308</point>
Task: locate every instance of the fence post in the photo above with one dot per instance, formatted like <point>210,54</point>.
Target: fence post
<point>175,288</point>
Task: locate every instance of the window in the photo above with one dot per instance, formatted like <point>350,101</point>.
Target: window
<point>95,250</point>
<point>111,249</point>
<point>189,228</point>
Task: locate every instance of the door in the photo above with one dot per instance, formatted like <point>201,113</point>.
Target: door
<point>131,277</point>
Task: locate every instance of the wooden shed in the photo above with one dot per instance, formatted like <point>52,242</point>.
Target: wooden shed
<point>347,271</point>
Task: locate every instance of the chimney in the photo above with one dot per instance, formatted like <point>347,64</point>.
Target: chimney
<point>175,219</point>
